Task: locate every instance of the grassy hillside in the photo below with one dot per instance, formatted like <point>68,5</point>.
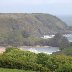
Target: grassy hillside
<point>15,26</point>
<point>36,24</point>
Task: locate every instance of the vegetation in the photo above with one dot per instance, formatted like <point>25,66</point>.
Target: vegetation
<point>66,51</point>
<point>16,28</point>
<point>57,41</point>
<point>14,58</point>
<point>25,29</point>
<point>13,70</point>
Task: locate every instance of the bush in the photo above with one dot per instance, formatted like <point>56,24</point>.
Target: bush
<point>25,60</point>
<point>59,41</point>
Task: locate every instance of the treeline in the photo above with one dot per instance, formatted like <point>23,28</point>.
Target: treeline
<point>57,41</point>
<point>14,58</point>
<point>66,51</point>
<point>26,39</point>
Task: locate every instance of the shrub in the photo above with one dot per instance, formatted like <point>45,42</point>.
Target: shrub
<point>25,60</point>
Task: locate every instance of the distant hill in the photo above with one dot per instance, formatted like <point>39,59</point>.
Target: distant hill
<point>36,24</point>
<point>14,27</point>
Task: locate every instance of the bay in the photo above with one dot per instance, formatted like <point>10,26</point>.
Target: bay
<point>47,49</point>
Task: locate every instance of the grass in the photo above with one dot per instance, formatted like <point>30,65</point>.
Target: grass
<point>13,70</point>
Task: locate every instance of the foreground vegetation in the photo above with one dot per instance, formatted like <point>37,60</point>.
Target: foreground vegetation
<point>65,51</point>
<point>14,58</point>
<point>13,70</point>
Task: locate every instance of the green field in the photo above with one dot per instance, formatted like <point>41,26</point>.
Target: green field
<point>13,70</point>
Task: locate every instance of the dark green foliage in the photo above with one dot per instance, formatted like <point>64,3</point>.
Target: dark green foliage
<point>59,41</point>
<point>66,51</point>
<point>33,41</point>
<point>55,62</point>
<point>67,67</point>
<point>14,58</point>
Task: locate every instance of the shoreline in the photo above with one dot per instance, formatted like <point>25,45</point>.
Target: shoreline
<point>33,46</point>
<point>3,49</point>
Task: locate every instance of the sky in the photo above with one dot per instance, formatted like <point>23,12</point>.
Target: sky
<point>55,7</point>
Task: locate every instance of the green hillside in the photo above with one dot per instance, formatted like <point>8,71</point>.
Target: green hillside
<point>15,26</point>
<point>36,24</point>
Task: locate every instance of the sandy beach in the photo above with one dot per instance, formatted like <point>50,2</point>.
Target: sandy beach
<point>2,49</point>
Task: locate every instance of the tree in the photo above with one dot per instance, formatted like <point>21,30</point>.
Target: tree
<point>59,41</point>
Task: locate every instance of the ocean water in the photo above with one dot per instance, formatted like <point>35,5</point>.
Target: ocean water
<point>69,37</point>
<point>47,50</point>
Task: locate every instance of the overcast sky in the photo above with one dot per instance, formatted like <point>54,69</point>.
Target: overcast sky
<point>55,7</point>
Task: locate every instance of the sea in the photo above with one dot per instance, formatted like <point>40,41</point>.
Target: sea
<point>45,49</point>
<point>69,37</point>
